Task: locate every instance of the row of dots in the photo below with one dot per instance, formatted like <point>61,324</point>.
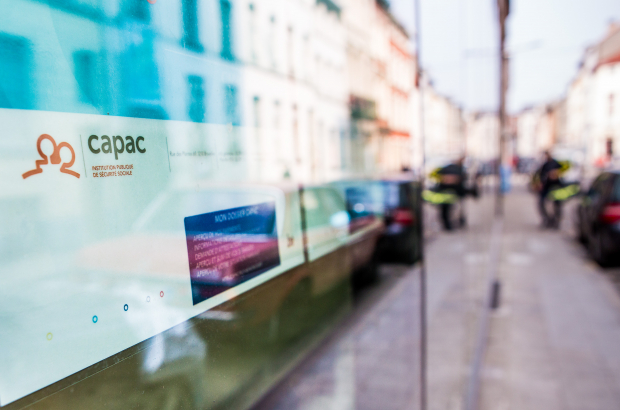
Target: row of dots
<point>95,319</point>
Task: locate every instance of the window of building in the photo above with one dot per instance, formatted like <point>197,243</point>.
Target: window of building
<point>306,58</point>
<point>138,10</point>
<point>290,51</point>
<point>231,103</point>
<point>190,25</point>
<point>227,29</point>
<point>252,34</point>
<point>296,142</point>
<point>311,139</point>
<point>15,83</point>
<point>142,80</point>
<point>256,111</point>
<point>256,114</point>
<point>276,115</point>
<point>85,62</point>
<point>196,98</point>
<point>271,42</point>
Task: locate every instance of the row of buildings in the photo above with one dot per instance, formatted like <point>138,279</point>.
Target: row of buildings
<point>312,89</point>
<point>583,125</point>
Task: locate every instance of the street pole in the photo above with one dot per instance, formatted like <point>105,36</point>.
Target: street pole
<point>423,323</point>
<point>503,7</point>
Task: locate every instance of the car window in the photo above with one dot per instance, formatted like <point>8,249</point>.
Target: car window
<point>398,195</point>
<point>324,207</point>
<point>334,201</point>
<point>406,195</point>
<point>391,194</point>
<point>359,202</point>
<point>316,214</point>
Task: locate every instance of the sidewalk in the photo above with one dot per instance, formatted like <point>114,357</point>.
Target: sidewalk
<point>372,360</point>
<point>553,343</point>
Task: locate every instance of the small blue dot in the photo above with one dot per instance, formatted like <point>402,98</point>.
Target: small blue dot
<point>126,307</point>
<point>95,319</point>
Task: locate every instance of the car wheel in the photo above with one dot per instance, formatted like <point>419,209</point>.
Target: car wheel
<point>596,250</point>
<point>581,237</point>
<point>366,275</point>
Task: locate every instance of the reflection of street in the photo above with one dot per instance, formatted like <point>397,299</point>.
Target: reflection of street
<point>552,342</point>
<point>372,361</point>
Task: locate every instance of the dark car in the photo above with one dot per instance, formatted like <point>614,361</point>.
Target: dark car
<point>598,218</point>
<point>363,202</point>
<point>401,241</point>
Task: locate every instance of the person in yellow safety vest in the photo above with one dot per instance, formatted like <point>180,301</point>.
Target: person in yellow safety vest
<point>545,180</point>
<point>452,181</point>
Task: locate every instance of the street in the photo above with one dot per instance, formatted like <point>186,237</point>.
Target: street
<point>551,343</point>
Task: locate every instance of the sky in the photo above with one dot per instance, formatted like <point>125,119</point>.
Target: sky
<point>545,41</point>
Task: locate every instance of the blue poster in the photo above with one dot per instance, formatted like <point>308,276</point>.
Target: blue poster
<point>228,247</point>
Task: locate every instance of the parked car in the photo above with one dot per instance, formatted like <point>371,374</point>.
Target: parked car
<point>401,204</point>
<point>363,199</point>
<point>598,218</point>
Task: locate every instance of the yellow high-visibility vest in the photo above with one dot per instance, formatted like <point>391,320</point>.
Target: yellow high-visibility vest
<point>562,194</point>
<point>439,197</point>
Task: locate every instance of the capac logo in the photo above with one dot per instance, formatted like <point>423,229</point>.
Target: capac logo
<point>54,158</point>
<point>110,145</point>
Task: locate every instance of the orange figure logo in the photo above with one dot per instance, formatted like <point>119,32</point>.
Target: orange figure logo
<point>54,158</point>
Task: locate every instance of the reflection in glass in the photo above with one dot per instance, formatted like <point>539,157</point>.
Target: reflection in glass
<point>197,98</point>
<point>15,71</point>
<point>231,103</point>
<point>227,40</point>
<point>190,25</point>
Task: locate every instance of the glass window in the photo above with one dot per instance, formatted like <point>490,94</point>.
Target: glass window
<point>232,110</point>
<point>138,10</point>
<point>15,72</point>
<point>252,41</point>
<point>227,33</point>
<point>152,252</point>
<point>190,25</point>
<point>197,98</point>
<point>256,112</point>
<point>85,74</point>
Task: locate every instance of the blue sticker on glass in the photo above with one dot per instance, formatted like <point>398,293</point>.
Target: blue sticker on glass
<point>228,247</point>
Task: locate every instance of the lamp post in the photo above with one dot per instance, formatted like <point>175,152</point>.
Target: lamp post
<point>503,8</point>
<point>423,324</point>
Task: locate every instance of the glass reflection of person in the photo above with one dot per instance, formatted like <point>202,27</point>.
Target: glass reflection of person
<point>548,177</point>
